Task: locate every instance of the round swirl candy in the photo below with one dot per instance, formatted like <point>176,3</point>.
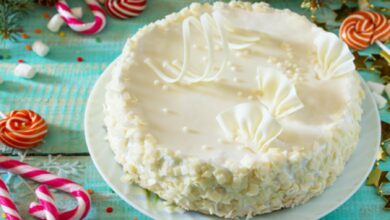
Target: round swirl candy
<point>22,129</point>
<point>124,9</point>
<point>363,28</point>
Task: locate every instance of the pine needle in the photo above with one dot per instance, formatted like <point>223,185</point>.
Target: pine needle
<point>11,14</point>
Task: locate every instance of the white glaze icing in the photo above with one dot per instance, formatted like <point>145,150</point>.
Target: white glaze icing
<point>300,128</point>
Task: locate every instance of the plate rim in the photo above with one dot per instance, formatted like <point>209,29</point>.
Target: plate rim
<point>106,74</point>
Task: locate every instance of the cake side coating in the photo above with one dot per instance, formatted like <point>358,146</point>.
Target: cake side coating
<point>284,178</point>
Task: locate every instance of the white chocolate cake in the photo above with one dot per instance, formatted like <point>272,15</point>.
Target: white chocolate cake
<point>233,109</point>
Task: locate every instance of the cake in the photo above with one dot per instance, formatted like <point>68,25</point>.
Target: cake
<point>233,109</point>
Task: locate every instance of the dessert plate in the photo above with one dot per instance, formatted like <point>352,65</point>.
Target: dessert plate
<point>355,173</point>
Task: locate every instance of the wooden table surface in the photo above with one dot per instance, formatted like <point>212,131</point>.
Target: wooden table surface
<point>59,93</point>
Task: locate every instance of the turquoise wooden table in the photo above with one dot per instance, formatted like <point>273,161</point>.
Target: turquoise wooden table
<point>59,93</point>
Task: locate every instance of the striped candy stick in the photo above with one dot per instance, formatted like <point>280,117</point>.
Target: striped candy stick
<point>7,204</point>
<point>46,200</point>
<point>77,25</point>
<point>49,179</point>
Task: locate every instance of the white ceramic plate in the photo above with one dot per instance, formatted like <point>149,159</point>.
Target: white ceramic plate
<point>355,173</point>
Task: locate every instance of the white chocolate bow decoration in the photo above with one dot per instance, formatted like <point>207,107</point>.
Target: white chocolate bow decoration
<point>207,25</point>
<point>334,57</point>
<point>250,124</point>
<point>277,92</point>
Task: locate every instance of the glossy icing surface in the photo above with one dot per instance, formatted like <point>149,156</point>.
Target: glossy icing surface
<point>182,115</point>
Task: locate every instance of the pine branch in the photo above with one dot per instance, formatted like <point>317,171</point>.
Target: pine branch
<point>11,14</point>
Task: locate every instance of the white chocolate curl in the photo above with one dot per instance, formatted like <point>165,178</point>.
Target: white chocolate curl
<point>40,48</point>
<point>179,71</point>
<point>56,21</point>
<point>24,70</point>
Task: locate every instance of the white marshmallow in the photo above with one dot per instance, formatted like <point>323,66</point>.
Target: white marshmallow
<point>378,88</point>
<point>77,12</point>
<point>40,48</point>
<point>24,70</point>
<point>387,90</point>
<point>55,23</point>
<point>380,100</point>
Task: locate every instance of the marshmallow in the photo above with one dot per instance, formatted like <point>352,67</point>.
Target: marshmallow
<point>378,88</point>
<point>380,100</point>
<point>77,12</point>
<point>56,21</point>
<point>40,48</point>
<point>387,90</point>
<point>24,70</point>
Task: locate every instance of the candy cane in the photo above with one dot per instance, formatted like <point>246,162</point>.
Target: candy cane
<point>47,204</point>
<point>7,204</point>
<point>49,179</point>
<point>77,25</point>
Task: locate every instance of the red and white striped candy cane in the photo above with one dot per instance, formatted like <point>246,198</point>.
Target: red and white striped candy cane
<point>7,204</point>
<point>77,25</point>
<point>46,201</point>
<point>49,179</point>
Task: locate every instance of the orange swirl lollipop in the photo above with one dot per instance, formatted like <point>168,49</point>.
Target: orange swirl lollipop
<point>363,28</point>
<point>22,129</point>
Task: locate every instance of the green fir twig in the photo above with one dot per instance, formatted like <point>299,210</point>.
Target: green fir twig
<point>11,14</point>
